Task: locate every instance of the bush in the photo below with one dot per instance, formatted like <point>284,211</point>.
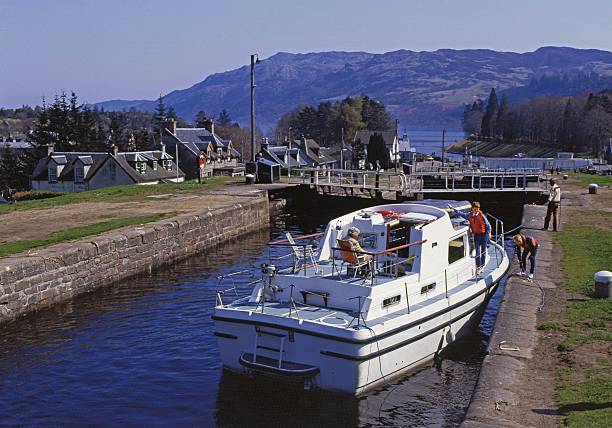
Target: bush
<point>31,195</point>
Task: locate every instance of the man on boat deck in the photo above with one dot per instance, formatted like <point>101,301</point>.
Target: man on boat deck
<point>481,228</point>
<point>526,246</point>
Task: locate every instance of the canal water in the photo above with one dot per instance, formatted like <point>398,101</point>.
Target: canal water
<point>142,353</point>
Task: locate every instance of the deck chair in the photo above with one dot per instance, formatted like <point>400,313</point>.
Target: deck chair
<point>353,260</point>
<point>302,254</point>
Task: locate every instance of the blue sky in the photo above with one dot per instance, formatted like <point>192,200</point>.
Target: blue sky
<point>132,49</point>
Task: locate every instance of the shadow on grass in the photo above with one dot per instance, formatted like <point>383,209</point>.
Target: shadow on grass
<point>576,407</point>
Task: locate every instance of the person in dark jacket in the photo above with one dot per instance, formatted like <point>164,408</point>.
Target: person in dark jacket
<point>526,246</point>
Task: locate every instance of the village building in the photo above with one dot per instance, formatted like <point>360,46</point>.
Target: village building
<point>81,171</point>
<point>313,154</point>
<point>391,142</point>
<point>202,151</point>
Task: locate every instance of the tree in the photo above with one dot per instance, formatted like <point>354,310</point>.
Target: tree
<point>224,118</point>
<point>200,119</point>
<point>160,114</point>
<point>171,114</point>
<point>472,117</point>
<point>378,153</point>
<point>490,116</point>
<point>502,118</point>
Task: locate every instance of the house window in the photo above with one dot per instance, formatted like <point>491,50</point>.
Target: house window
<point>79,174</point>
<point>141,167</point>
<point>154,165</point>
<point>456,249</point>
<point>168,164</point>
<point>52,174</point>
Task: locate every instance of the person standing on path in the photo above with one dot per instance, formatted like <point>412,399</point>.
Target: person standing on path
<point>526,246</point>
<point>554,201</point>
<point>481,228</point>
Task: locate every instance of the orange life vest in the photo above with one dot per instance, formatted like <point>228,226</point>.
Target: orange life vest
<point>477,224</point>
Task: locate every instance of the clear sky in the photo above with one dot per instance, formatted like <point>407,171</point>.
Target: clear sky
<point>136,49</point>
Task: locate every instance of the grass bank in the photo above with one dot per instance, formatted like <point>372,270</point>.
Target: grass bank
<point>583,180</point>
<point>131,192</point>
<point>584,383</point>
<point>75,233</point>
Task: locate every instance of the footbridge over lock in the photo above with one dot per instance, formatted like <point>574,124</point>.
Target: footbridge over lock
<point>529,185</point>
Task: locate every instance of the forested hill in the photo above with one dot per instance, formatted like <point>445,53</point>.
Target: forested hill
<point>421,89</point>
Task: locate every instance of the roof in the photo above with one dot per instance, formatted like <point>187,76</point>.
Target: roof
<point>309,147</point>
<point>293,160</point>
<point>197,140</point>
<point>95,160</point>
<point>364,135</point>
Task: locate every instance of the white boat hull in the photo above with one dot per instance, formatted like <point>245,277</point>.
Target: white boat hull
<point>352,368</point>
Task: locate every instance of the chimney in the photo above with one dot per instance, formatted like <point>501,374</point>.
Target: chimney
<point>170,125</point>
<point>210,125</point>
<point>115,149</point>
<point>264,144</point>
<point>49,149</point>
<point>163,148</point>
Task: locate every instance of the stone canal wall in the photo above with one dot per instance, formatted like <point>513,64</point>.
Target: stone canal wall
<point>510,384</point>
<point>61,272</point>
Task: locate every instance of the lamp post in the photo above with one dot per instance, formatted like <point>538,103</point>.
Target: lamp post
<point>254,60</point>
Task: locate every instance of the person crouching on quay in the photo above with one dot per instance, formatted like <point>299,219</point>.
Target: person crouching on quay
<point>526,246</point>
<point>481,228</point>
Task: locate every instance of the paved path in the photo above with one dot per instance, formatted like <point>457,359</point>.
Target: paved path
<point>516,383</point>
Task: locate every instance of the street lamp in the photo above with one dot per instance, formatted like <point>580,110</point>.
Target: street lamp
<point>254,60</point>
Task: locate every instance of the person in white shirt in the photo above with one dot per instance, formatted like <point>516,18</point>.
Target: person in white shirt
<point>554,201</point>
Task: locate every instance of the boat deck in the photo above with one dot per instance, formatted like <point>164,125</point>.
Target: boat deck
<point>332,316</point>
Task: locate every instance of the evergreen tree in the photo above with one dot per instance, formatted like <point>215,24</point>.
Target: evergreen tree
<point>378,153</point>
<point>171,114</point>
<point>160,114</point>
<point>224,118</point>
<point>200,119</point>
<point>490,116</point>
<point>502,118</point>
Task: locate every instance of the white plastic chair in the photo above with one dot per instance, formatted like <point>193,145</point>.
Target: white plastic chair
<point>302,254</point>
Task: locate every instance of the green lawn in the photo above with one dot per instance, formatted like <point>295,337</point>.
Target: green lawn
<point>75,233</point>
<point>585,179</point>
<point>129,192</point>
<point>584,389</point>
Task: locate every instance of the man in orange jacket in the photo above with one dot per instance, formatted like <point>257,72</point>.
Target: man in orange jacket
<point>481,228</point>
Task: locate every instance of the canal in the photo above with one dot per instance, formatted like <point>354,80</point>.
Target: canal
<point>142,353</point>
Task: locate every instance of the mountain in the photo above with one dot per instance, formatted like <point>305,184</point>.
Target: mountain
<point>421,89</point>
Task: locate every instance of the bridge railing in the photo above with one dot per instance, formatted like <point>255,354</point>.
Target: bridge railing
<point>447,180</point>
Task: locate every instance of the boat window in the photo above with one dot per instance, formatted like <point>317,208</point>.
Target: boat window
<point>456,249</point>
<point>426,288</point>
<point>397,234</point>
<point>367,240</point>
<point>392,301</point>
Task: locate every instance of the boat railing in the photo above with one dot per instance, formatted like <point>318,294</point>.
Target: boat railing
<point>498,236</point>
<point>300,251</point>
<point>221,289</point>
<point>383,263</point>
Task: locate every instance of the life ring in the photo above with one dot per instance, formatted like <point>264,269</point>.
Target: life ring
<point>388,213</point>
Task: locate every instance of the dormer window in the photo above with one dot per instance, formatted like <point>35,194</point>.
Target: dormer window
<point>79,174</point>
<point>154,165</point>
<point>141,167</point>
<point>168,164</point>
<point>52,172</point>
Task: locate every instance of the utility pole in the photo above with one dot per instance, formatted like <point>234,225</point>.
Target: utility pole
<point>395,152</point>
<point>443,132</point>
<point>254,60</point>
<point>289,157</point>
<point>342,148</point>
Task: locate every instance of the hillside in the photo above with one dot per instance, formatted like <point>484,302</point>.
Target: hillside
<point>421,89</point>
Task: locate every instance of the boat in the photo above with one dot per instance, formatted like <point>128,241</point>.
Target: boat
<point>349,321</point>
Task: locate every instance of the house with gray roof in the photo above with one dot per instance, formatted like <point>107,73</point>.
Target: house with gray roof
<point>313,154</point>
<point>196,145</point>
<point>81,171</point>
